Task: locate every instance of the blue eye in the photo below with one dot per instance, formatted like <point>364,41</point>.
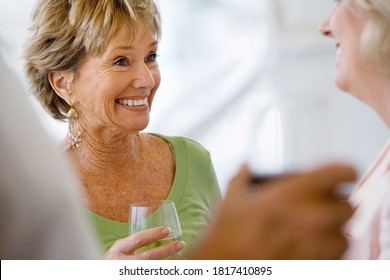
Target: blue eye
<point>152,57</point>
<point>121,62</point>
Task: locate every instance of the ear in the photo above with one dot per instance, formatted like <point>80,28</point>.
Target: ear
<point>61,82</point>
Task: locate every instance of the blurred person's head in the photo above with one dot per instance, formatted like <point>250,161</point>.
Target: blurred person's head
<point>361,31</point>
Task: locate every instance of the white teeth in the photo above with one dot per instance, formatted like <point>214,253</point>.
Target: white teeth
<point>129,102</point>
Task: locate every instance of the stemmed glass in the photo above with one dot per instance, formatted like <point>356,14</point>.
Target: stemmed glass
<point>286,138</point>
<point>150,214</point>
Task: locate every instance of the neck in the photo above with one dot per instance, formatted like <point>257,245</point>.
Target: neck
<point>375,92</point>
<point>111,151</point>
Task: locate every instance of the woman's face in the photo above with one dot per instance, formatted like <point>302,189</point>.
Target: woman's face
<point>345,25</point>
<point>116,89</point>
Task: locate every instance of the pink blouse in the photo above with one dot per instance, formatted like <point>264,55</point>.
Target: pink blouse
<point>369,228</point>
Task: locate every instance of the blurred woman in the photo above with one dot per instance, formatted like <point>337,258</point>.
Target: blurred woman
<point>361,31</point>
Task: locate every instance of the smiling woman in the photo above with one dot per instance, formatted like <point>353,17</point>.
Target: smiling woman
<point>108,89</point>
<point>95,64</point>
<point>360,30</point>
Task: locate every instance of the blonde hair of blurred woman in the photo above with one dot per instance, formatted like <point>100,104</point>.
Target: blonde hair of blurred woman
<point>375,42</point>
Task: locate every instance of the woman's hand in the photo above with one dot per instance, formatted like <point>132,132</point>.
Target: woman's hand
<point>124,249</point>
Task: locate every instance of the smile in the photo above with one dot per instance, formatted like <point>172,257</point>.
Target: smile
<point>132,103</point>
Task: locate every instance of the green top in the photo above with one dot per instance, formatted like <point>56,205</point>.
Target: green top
<point>194,191</point>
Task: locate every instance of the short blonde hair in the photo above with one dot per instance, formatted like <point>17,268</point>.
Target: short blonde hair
<point>64,32</point>
<point>375,42</point>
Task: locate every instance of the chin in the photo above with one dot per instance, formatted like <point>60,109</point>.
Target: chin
<point>139,126</point>
<point>341,82</point>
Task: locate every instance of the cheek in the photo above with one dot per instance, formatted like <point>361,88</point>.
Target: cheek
<point>157,79</point>
<point>156,76</point>
<point>116,81</point>
<point>351,69</point>
<point>353,62</point>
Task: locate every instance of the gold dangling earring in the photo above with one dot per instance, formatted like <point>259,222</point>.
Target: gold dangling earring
<point>74,132</point>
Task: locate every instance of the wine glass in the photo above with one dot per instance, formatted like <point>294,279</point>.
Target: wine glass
<point>288,137</point>
<point>150,214</point>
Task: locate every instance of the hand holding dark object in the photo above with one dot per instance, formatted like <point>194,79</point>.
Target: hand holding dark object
<point>294,217</point>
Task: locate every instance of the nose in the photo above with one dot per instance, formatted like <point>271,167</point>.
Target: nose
<point>143,78</point>
<point>325,28</point>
